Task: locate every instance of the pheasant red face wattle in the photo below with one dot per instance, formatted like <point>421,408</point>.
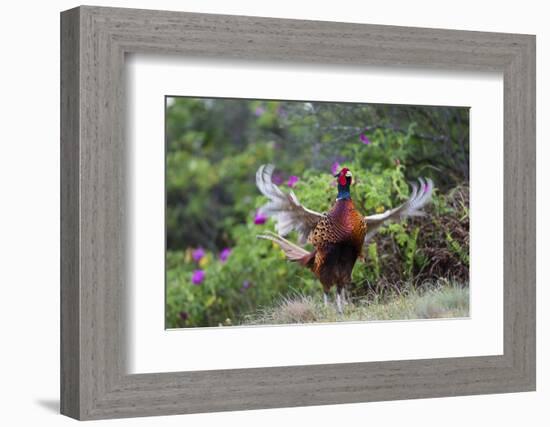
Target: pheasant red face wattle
<point>342,176</point>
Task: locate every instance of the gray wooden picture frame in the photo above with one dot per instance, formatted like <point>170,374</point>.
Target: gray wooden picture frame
<point>94,41</point>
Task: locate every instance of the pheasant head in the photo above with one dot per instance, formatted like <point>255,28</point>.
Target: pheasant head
<point>344,181</point>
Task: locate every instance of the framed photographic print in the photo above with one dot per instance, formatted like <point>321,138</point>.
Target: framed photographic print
<point>262,213</point>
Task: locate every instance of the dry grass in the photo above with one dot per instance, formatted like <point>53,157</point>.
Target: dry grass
<point>442,300</point>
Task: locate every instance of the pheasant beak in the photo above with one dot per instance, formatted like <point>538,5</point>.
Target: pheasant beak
<point>349,175</point>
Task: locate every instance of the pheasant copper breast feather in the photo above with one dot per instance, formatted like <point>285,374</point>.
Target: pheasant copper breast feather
<point>338,236</point>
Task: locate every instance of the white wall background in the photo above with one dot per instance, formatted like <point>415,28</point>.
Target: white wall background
<point>29,212</point>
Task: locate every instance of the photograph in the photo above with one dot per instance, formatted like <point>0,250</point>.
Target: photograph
<point>303,212</point>
<point>320,213</point>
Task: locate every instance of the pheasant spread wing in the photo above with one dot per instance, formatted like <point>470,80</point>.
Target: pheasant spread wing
<point>419,197</point>
<point>285,208</point>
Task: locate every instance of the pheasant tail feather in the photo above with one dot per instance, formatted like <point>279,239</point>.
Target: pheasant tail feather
<point>292,251</point>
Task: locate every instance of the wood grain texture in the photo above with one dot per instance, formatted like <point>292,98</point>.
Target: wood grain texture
<point>70,292</point>
<point>94,381</point>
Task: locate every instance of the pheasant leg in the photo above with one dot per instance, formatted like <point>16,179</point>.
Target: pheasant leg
<point>339,300</point>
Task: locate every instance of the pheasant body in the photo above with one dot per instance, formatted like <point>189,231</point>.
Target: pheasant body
<point>338,241</point>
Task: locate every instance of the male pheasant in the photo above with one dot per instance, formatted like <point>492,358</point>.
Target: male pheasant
<point>338,236</point>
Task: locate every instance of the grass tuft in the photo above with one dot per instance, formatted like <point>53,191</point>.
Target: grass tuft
<point>442,300</point>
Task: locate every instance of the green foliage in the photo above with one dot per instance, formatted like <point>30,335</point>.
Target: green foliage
<point>214,148</point>
<point>254,273</point>
<point>372,270</point>
<point>457,248</point>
